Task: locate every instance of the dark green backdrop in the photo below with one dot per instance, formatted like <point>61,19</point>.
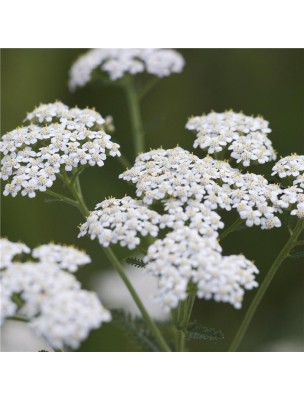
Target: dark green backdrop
<point>256,81</point>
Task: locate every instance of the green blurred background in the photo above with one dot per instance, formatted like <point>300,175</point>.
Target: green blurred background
<point>269,82</point>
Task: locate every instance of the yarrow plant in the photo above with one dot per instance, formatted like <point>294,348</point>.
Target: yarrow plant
<point>115,63</point>
<point>173,226</point>
<point>43,292</point>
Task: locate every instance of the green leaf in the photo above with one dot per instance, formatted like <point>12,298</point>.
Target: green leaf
<point>135,262</point>
<point>197,331</point>
<point>136,329</point>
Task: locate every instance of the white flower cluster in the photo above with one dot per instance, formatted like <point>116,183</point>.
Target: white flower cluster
<point>58,309</point>
<point>189,193</point>
<point>8,250</point>
<point>194,213</point>
<point>57,137</point>
<point>66,257</point>
<point>184,256</point>
<point>176,173</point>
<point>160,173</point>
<point>245,137</point>
<point>292,167</point>
<point>117,62</point>
<point>120,221</point>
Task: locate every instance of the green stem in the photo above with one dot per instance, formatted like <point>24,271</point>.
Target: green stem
<point>77,173</point>
<point>124,162</point>
<point>118,267</point>
<point>146,89</point>
<point>62,198</point>
<point>284,253</point>
<point>233,227</point>
<point>75,190</point>
<point>183,317</point>
<point>136,123</point>
<point>299,243</point>
<point>18,318</point>
<point>153,327</point>
<point>180,333</point>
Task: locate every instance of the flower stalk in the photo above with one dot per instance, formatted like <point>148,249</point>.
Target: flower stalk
<point>75,190</point>
<point>183,315</point>
<point>135,115</point>
<point>284,253</point>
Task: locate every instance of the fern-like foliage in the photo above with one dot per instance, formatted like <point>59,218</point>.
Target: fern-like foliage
<point>136,330</point>
<point>135,262</point>
<point>197,331</point>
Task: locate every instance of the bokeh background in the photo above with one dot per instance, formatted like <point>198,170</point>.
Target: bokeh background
<point>269,82</point>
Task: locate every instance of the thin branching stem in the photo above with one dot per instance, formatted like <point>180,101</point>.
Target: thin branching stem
<point>76,192</point>
<point>284,253</point>
<point>233,227</point>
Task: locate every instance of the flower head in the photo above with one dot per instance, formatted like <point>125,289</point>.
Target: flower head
<point>184,256</point>
<point>51,298</point>
<point>117,62</point>
<point>121,221</point>
<point>66,257</point>
<point>160,173</point>
<point>165,175</point>
<point>290,166</point>
<point>57,138</point>
<point>245,136</point>
<point>8,250</point>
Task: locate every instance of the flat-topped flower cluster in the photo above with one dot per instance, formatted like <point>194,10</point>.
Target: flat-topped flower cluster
<point>48,296</point>
<point>245,137</point>
<point>117,62</point>
<point>180,196</point>
<point>55,138</point>
<point>184,256</point>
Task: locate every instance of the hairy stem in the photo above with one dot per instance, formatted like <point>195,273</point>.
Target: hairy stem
<point>284,253</point>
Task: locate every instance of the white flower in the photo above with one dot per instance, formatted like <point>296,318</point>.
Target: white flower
<point>8,250</point>
<point>52,299</point>
<point>57,138</point>
<point>117,62</point>
<point>67,257</point>
<point>194,214</point>
<point>299,181</point>
<point>177,174</point>
<point>120,221</point>
<point>184,256</point>
<point>160,173</point>
<point>290,166</point>
<point>299,212</point>
<point>67,318</point>
<point>246,135</point>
